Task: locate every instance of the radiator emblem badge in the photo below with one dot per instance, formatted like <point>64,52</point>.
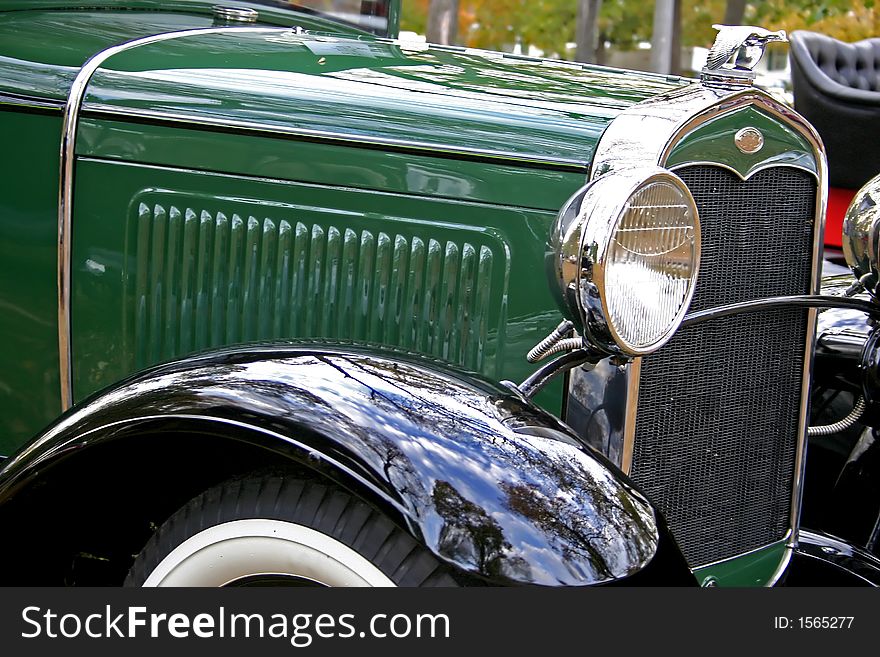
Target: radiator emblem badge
<point>749,140</point>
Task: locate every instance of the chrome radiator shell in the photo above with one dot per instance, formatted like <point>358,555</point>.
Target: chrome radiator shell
<point>607,404</point>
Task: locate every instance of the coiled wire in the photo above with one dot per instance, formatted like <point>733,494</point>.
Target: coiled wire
<point>552,345</point>
<point>841,425</point>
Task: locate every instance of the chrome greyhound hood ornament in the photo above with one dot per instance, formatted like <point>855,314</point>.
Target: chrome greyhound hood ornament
<point>736,50</point>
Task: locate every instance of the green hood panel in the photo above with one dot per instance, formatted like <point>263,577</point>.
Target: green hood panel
<point>41,51</point>
<point>379,92</point>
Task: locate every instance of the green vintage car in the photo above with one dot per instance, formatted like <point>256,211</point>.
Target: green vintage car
<point>282,295</point>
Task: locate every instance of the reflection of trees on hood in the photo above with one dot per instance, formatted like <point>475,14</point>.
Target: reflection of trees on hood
<point>471,536</point>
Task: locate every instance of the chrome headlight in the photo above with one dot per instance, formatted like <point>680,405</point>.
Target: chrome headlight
<point>861,234</point>
<point>623,258</point>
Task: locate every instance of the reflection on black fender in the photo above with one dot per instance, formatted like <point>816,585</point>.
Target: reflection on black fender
<point>485,480</point>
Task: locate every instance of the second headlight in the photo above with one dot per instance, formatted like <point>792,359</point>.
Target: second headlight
<point>624,254</point>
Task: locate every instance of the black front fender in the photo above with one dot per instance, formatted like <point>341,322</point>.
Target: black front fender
<point>484,479</point>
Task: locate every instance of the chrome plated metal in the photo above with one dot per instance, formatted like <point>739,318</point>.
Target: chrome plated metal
<point>580,243</point>
<point>536,382</point>
<point>752,551</point>
<point>634,374</point>
<point>568,344</point>
<point>66,185</point>
<point>861,235</point>
<point>783,565</point>
<point>793,301</point>
<point>540,350</point>
<point>749,140</point>
<point>736,51</point>
<point>648,133</point>
<point>226,15</point>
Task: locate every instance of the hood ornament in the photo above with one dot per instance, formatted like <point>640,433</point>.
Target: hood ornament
<point>736,50</point>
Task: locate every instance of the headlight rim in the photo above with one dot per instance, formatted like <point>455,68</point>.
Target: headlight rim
<point>583,274</point>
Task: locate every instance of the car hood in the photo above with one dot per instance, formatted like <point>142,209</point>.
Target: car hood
<point>379,91</point>
<point>374,90</point>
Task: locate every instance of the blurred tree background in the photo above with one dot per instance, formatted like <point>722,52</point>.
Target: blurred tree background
<point>550,25</point>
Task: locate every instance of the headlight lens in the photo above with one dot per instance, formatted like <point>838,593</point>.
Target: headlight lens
<point>651,263</point>
<point>625,253</point>
<point>861,234</point>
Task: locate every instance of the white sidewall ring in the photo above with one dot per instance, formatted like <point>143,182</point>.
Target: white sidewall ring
<point>224,553</point>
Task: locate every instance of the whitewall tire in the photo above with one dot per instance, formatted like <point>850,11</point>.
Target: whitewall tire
<point>274,529</point>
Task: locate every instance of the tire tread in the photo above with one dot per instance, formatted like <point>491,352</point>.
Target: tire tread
<point>323,507</point>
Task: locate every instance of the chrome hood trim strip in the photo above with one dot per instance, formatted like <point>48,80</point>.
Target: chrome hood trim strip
<point>65,192</point>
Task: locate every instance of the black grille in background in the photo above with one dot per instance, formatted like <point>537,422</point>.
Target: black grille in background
<point>718,409</point>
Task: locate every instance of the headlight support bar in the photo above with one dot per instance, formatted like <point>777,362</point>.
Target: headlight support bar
<point>795,301</point>
<point>537,381</point>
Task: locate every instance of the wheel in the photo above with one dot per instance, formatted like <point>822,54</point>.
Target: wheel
<point>267,530</point>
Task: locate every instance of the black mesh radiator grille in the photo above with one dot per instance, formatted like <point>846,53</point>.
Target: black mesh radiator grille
<point>719,405</point>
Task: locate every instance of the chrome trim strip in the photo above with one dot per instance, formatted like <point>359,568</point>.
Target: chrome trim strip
<point>781,568</point>
<point>185,120</point>
<point>815,141</point>
<point>745,554</point>
<point>48,106</point>
<point>810,301</point>
<point>65,191</point>
<point>661,123</point>
<point>736,102</point>
<point>633,376</point>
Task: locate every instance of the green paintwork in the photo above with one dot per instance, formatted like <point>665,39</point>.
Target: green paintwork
<point>277,15</point>
<point>32,69</point>
<point>208,277</point>
<point>374,90</point>
<point>184,266</point>
<point>283,186</point>
<point>29,386</point>
<point>458,100</point>
<point>433,101</point>
<point>754,569</point>
<point>715,140</point>
<point>500,183</point>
